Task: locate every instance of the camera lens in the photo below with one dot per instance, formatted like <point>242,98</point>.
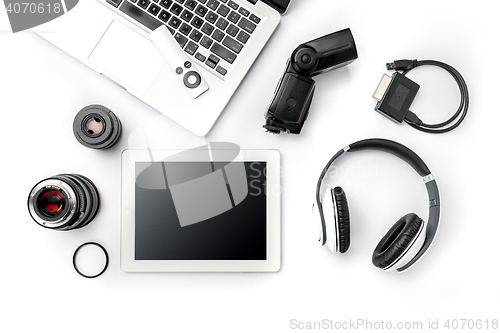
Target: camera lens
<point>95,126</point>
<point>64,202</point>
<point>52,203</point>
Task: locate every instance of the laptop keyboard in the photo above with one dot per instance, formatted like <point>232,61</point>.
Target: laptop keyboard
<point>215,32</point>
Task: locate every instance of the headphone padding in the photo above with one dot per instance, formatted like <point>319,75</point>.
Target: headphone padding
<point>396,240</point>
<point>343,219</point>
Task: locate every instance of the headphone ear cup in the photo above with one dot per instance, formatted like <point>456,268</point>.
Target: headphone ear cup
<point>343,219</point>
<point>396,241</point>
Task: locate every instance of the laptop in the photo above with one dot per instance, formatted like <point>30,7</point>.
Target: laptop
<point>221,37</point>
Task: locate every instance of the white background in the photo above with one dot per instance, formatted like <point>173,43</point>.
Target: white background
<point>41,90</point>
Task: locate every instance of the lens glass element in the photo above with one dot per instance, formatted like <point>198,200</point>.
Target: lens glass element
<point>52,203</point>
<point>94,126</point>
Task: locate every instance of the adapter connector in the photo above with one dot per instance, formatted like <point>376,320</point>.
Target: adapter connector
<point>395,95</point>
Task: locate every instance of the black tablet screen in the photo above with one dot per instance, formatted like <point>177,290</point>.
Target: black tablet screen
<point>200,211</point>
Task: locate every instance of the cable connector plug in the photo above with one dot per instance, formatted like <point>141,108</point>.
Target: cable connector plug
<point>412,118</point>
<point>401,65</point>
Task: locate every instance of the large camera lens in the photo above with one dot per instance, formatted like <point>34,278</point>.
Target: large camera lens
<point>95,126</point>
<point>64,202</point>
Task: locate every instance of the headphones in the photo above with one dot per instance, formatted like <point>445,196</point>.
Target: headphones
<point>407,240</point>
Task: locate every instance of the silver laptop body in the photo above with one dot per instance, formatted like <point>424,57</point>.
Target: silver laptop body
<point>107,39</point>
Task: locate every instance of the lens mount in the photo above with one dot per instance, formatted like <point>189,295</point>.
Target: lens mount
<point>66,214</point>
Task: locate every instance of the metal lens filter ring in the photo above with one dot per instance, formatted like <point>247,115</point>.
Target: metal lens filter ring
<point>64,202</point>
<point>97,127</point>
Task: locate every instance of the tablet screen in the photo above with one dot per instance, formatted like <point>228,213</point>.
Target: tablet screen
<point>200,211</point>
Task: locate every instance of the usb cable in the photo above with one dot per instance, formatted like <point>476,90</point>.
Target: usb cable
<point>395,95</point>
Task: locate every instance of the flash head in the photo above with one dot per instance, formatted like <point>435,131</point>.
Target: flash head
<point>293,96</point>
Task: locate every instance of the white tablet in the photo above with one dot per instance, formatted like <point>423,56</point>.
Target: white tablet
<point>201,210</point>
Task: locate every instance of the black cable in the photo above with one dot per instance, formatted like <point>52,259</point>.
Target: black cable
<point>412,119</point>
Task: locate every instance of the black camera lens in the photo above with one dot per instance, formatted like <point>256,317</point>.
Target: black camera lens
<point>97,127</point>
<point>64,202</point>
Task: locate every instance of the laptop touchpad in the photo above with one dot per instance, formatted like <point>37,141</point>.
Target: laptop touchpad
<point>128,57</point>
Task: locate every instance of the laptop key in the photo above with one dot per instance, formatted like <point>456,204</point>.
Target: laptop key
<point>142,17</point>
<point>187,15</point>
<point>221,70</point>
<point>214,59</point>
<point>254,19</point>
<point>154,9</point>
<point>180,39</point>
<point>206,42</point>
<point>218,35</point>
<point>191,4</point>
<point>247,25</point>
<point>233,5</point>
<point>234,17</point>
<point>143,3</point>
<point>212,17</point>
<point>174,22</point>
<point>185,29</point>
<point>243,11</point>
<point>243,37</point>
<point>180,1</point>
<point>213,4</point>
<point>165,3</point>
<point>232,30</point>
<point>208,29</point>
<point>176,9</point>
<point>232,44</point>
<point>200,10</point>
<point>222,24</point>
<point>196,35</point>
<point>223,53</point>
<point>197,22</point>
<point>210,63</point>
<point>200,57</point>
<point>191,48</point>
<point>164,16</point>
<point>202,1</point>
<point>223,10</point>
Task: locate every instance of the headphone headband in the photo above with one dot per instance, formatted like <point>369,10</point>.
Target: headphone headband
<point>396,149</point>
<point>415,162</point>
